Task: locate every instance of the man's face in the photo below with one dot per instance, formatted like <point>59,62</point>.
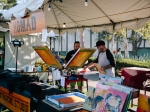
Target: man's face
<point>101,48</point>
<point>76,46</point>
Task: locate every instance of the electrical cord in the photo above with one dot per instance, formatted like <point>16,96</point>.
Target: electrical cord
<point>10,58</point>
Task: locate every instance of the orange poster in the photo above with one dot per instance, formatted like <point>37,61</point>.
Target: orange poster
<point>80,57</point>
<point>33,23</point>
<point>70,99</point>
<point>47,56</point>
<point>143,103</point>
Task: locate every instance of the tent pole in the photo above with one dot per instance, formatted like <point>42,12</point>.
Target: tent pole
<point>50,42</point>
<point>58,42</point>
<point>113,37</point>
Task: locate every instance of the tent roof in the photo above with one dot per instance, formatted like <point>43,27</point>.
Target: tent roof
<point>132,14</point>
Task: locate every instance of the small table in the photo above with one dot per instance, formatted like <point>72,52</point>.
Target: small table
<point>134,76</point>
<point>80,78</point>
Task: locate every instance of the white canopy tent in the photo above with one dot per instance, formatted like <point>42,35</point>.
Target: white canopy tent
<point>99,14</point>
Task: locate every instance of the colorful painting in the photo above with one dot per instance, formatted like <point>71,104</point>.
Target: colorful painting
<point>143,103</point>
<point>109,80</point>
<point>101,91</point>
<point>80,57</point>
<point>126,90</point>
<point>114,101</point>
<point>47,56</point>
<point>89,99</point>
<point>68,100</point>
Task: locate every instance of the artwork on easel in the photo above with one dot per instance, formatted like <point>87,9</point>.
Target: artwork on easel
<point>47,56</point>
<point>80,57</point>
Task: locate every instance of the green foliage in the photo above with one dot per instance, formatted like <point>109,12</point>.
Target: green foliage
<point>144,32</point>
<point>120,63</point>
<point>120,35</point>
<point>7,4</point>
<point>105,35</point>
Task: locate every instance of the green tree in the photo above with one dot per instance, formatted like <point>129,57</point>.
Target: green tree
<point>7,4</point>
<point>136,37</point>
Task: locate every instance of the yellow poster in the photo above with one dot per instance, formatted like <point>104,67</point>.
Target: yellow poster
<point>47,56</point>
<point>80,57</point>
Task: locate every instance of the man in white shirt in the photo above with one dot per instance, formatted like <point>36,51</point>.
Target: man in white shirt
<point>105,59</point>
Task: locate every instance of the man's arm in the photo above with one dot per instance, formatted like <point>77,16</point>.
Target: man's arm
<point>67,58</point>
<point>111,59</point>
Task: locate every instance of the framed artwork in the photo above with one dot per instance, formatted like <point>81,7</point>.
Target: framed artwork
<point>79,58</point>
<point>47,56</point>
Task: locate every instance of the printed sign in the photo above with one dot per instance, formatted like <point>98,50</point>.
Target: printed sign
<point>33,23</point>
<point>14,101</point>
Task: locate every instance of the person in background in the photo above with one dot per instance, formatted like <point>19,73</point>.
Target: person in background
<point>69,55</point>
<point>105,59</point>
<point>119,55</point>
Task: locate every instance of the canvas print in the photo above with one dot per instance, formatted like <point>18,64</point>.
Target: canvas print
<point>108,80</point>
<point>47,56</point>
<point>99,96</point>
<point>89,99</point>
<point>126,90</point>
<point>80,57</point>
<point>114,101</point>
<point>68,100</point>
<point>143,103</point>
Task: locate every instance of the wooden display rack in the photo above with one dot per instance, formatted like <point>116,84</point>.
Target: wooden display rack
<point>14,101</point>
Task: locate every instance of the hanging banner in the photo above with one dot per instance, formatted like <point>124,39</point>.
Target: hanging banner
<point>33,23</point>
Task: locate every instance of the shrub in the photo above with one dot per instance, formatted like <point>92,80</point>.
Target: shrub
<point>120,63</point>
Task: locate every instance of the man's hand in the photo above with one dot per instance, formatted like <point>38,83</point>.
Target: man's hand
<point>90,65</point>
<point>102,68</point>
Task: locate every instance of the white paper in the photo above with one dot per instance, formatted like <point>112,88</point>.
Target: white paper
<point>56,74</point>
<point>44,35</point>
<point>10,39</point>
<point>62,81</point>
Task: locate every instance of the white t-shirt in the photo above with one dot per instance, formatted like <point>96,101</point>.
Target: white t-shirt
<point>103,61</point>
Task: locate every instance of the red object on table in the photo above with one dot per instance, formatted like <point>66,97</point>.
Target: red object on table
<point>80,78</point>
<point>134,76</point>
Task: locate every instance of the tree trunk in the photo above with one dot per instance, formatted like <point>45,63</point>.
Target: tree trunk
<point>126,47</point>
<point>134,48</point>
<point>135,43</point>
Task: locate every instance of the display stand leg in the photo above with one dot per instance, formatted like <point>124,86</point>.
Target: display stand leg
<point>16,58</point>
